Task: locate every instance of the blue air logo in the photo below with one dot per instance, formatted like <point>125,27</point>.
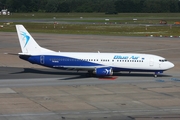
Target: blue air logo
<point>107,72</point>
<point>134,57</point>
<point>25,37</point>
<point>126,57</point>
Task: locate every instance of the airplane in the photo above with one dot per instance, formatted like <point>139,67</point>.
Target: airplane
<point>99,64</point>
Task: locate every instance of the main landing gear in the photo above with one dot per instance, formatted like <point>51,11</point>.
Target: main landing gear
<point>90,74</point>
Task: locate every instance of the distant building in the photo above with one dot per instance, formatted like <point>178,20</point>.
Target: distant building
<point>4,12</point>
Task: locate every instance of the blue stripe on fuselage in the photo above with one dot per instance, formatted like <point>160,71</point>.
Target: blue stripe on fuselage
<point>51,61</point>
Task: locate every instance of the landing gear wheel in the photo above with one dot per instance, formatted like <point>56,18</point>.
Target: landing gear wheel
<point>155,75</point>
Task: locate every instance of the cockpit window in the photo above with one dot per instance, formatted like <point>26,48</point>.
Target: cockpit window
<point>162,60</point>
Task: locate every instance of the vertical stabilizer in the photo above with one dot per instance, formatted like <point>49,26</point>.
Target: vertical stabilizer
<point>27,42</point>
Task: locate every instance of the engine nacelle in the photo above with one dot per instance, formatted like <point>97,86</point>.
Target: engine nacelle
<point>105,71</point>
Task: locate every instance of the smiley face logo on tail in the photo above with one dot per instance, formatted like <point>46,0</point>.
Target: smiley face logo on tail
<point>25,37</point>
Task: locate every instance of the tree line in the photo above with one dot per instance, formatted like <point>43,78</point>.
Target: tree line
<point>107,6</point>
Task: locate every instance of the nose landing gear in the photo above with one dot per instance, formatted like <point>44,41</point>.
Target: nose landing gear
<point>156,73</point>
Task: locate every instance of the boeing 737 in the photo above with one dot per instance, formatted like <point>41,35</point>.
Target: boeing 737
<point>100,64</point>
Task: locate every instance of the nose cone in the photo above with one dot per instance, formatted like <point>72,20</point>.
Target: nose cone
<point>170,65</point>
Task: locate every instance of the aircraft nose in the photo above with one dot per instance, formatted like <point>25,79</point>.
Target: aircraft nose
<point>171,65</point>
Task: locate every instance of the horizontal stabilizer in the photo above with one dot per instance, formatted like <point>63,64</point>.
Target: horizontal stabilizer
<point>11,54</point>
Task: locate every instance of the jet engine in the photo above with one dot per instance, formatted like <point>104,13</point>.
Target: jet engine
<point>104,71</point>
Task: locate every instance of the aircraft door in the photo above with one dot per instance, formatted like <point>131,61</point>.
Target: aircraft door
<point>151,62</point>
<point>42,59</point>
<point>160,63</point>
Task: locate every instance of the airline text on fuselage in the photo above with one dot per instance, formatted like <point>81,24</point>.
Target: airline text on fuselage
<point>126,57</point>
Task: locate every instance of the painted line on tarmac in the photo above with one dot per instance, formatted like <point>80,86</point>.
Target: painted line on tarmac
<point>92,112</point>
<point>175,79</point>
<point>159,80</point>
<point>16,115</point>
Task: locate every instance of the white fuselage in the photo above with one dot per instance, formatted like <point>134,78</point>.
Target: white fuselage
<point>118,61</point>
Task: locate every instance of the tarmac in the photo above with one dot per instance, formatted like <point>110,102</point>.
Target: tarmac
<point>30,91</point>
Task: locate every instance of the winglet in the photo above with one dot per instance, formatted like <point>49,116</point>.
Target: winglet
<point>27,42</point>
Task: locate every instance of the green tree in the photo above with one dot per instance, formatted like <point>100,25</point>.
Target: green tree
<point>173,5</point>
<point>51,6</point>
<point>152,6</point>
<point>63,7</point>
<point>109,6</point>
